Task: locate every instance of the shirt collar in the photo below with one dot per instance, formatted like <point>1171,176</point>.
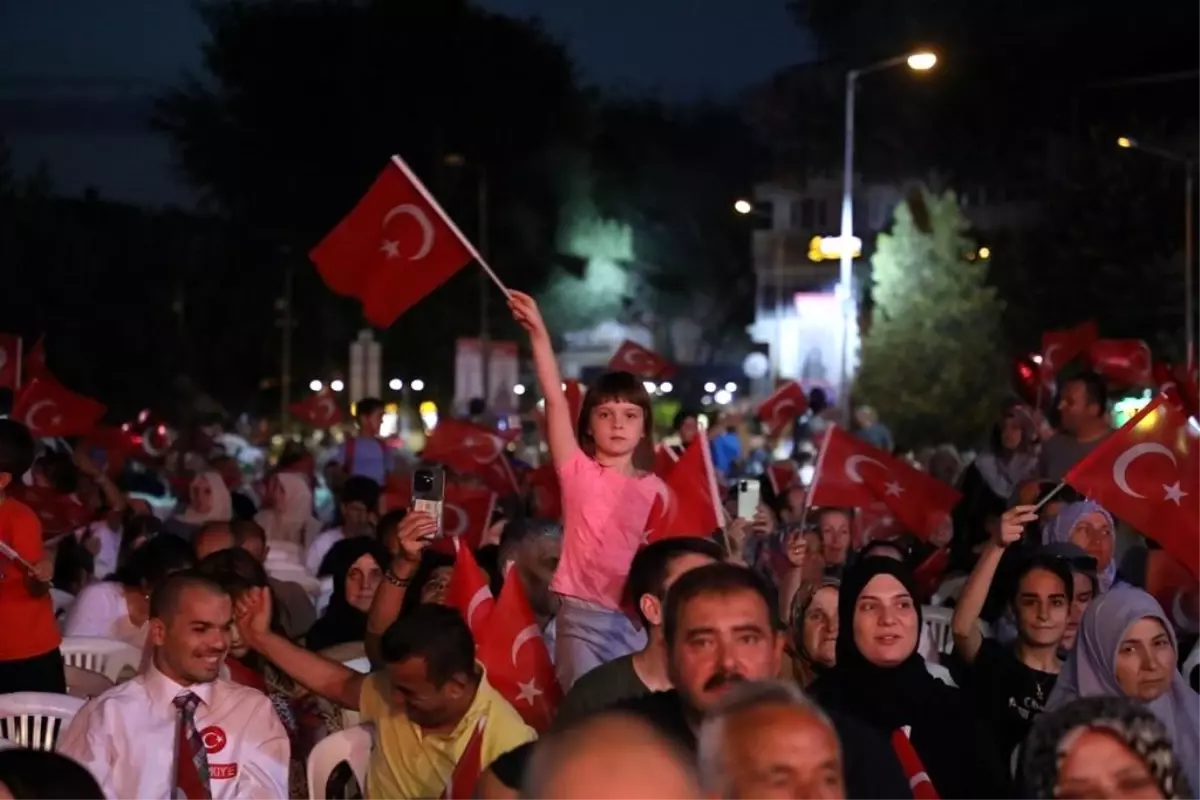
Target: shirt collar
<point>163,690</point>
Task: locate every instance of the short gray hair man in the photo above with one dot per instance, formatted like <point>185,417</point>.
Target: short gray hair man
<point>715,778</point>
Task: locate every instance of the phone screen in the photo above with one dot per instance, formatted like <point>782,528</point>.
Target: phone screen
<point>748,491</point>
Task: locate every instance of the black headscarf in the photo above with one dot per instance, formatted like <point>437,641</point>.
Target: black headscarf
<point>956,750</point>
<point>341,621</point>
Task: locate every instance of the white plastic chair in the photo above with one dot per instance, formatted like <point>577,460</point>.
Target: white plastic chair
<point>950,589</point>
<point>345,652</point>
<point>85,684</point>
<point>937,622</point>
<point>941,673</point>
<point>352,745</point>
<point>362,665</point>
<point>294,573</point>
<point>1192,662</point>
<point>35,719</point>
<point>109,657</point>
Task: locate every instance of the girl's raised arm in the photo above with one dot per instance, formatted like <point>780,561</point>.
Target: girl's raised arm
<point>560,428</point>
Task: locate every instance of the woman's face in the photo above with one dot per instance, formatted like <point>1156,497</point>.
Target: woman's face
<point>1042,608</point>
<point>835,537</point>
<point>1145,660</point>
<point>885,622</point>
<point>821,627</point>
<point>1098,765</point>
<point>1010,433</point>
<point>434,590</point>
<point>1093,532</point>
<point>1079,603</point>
<point>200,496</point>
<point>361,582</point>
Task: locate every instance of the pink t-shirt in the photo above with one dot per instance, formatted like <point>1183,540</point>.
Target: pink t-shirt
<point>604,519</point>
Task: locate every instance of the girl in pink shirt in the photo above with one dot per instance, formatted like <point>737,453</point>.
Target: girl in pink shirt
<point>604,470</point>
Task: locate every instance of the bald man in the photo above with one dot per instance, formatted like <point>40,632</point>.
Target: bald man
<point>766,739</point>
<point>213,537</point>
<point>610,756</point>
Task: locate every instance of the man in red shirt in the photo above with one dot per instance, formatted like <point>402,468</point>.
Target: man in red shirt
<point>30,660</point>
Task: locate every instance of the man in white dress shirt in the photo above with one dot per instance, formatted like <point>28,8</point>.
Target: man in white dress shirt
<point>178,730</point>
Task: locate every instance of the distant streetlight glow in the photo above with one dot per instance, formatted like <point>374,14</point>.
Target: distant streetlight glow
<point>710,387</point>
<point>395,384</point>
<point>650,387</point>
<point>315,385</point>
<point>743,206</point>
<point>724,398</point>
<point>731,387</point>
<point>666,387</point>
<point>985,252</point>
<point>922,61</point>
<point>417,385</point>
<point>337,385</point>
<point>1125,141</point>
<point>519,389</point>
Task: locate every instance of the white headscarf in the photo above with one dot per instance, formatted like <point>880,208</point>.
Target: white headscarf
<point>221,509</point>
<point>292,520</point>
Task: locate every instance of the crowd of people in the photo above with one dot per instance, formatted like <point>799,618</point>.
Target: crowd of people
<point>779,656</point>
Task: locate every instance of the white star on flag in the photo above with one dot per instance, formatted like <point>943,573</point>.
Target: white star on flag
<point>391,248</point>
<point>528,691</point>
<point>893,488</point>
<point>1174,493</point>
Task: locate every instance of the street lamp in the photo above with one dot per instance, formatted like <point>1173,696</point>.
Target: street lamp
<point>743,206</point>
<point>1189,167</point>
<point>920,61</point>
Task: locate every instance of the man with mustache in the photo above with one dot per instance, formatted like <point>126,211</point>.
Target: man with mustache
<point>177,729</point>
<point>722,629</point>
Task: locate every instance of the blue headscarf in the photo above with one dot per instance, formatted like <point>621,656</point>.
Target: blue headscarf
<point>1059,530</point>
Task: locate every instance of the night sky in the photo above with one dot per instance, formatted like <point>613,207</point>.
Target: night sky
<point>61,59</point>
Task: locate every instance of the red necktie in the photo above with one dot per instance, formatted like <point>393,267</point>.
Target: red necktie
<point>191,761</point>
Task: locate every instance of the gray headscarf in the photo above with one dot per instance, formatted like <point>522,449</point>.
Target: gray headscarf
<point>1129,721</point>
<point>1090,670</point>
<point>1059,530</point>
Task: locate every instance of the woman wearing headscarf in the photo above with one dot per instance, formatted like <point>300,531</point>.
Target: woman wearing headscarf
<point>1089,526</point>
<point>812,649</point>
<point>356,566</point>
<point>1102,747</point>
<point>208,501</point>
<point>289,513</point>
<point>881,679</point>
<point>1127,648</point>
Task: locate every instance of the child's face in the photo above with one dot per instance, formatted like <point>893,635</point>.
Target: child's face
<point>617,427</point>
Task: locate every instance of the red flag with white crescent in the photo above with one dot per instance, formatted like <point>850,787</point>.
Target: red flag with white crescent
<point>1059,348</point>
<point>469,767</point>
<point>641,361</point>
<point>473,450</point>
<point>320,409</point>
<point>518,662</point>
<point>688,503</point>
<point>49,409</point>
<point>59,513</point>
<point>468,591</point>
<point>781,408</point>
<point>918,779</point>
<point>395,247</point>
<point>664,460</point>
<point>1125,362</point>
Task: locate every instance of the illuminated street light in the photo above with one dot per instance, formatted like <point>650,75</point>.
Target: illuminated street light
<point>710,387</point>
<point>985,253</point>
<point>395,384</point>
<point>1126,142</point>
<point>315,385</point>
<point>724,398</point>
<point>743,206</point>
<point>519,389</point>
<point>666,387</point>
<point>650,387</point>
<point>417,385</point>
<point>337,385</point>
<point>731,387</point>
<point>922,61</point>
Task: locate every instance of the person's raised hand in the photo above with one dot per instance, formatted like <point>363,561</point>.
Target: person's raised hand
<point>525,311</point>
<point>764,521</point>
<point>1012,525</point>
<point>736,533</point>
<point>413,535</point>
<point>252,612</point>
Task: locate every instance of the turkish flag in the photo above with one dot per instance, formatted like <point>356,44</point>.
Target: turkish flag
<point>783,475</point>
<point>59,513</point>
<point>1147,474</point>
<point>918,778</point>
<point>10,357</point>
<point>468,592</point>
<point>319,409</point>
<point>875,521</point>
<point>852,473</point>
<point>780,409</point>
<point>1179,387</point>
<point>1060,347</point>
<point>469,767</point>
<point>517,660</point>
<point>644,363</point>
<point>928,574</point>
<point>688,504</point>
<point>467,513</point>
<point>109,447</point>
<point>472,450</point>
<point>393,248</point>
<point>49,409</point>
<point>664,460</point>
<point>35,362</point>
<point>1125,362</point>
<point>545,491</point>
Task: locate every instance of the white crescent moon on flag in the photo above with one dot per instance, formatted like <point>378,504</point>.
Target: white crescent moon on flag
<point>492,441</point>
<point>426,227</point>
<point>326,404</point>
<point>1126,459</point>
<point>477,599</point>
<point>30,416</point>
<point>786,402</point>
<point>636,358</point>
<point>460,521</point>
<point>1048,356</point>
<point>852,467</point>
<point>523,636</point>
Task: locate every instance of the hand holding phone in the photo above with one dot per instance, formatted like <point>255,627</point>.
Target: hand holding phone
<point>429,494</point>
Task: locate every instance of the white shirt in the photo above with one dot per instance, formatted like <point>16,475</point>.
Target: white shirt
<point>101,610</point>
<point>110,547</point>
<point>320,546</point>
<point>126,738</point>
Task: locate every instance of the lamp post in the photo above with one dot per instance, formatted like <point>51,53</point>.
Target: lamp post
<point>1189,168</point>
<point>485,343</point>
<point>919,62</point>
<point>746,208</point>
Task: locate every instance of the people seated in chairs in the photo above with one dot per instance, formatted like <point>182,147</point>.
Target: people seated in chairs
<point>177,729</point>
<point>425,704</point>
<point>357,568</point>
<point>29,657</point>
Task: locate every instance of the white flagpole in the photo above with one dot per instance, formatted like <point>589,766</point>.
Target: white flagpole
<point>433,203</point>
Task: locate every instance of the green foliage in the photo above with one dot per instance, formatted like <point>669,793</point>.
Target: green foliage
<point>930,363</point>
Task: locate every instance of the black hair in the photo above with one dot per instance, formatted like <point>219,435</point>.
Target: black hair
<point>46,775</point>
<point>134,527</point>
<point>16,448</point>
<point>360,489</point>
<point>682,415</point>
<point>234,570</point>
<point>488,559</point>
<point>437,634</point>
<point>367,406</point>
<point>164,601</point>
<point>389,522</point>
<point>720,579</point>
<point>818,400</point>
<point>1094,386</point>
<point>150,564</point>
<point>648,572</point>
<point>244,530</point>
<point>71,560</point>
<point>509,768</point>
<point>1059,567</point>
<point>476,406</point>
<point>293,453</point>
<point>622,387</point>
<point>520,529</point>
<point>60,471</point>
<point>430,560</point>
